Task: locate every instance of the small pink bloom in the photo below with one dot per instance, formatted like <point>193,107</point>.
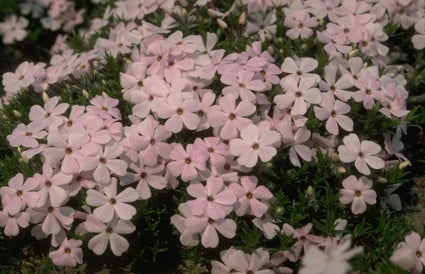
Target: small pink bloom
<point>186,163</point>
<point>69,253</point>
<point>104,108</point>
<point>358,192</point>
<point>19,194</point>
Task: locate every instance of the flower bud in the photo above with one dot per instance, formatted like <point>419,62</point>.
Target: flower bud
<point>404,164</point>
<point>184,12</point>
<point>342,170</point>
<point>279,210</point>
<point>309,191</point>
<point>45,97</point>
<point>17,113</point>
<point>242,19</point>
<point>221,23</point>
<point>104,95</point>
<point>382,180</point>
<point>85,94</point>
<point>213,13</point>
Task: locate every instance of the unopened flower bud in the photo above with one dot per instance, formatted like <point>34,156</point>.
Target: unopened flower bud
<point>242,18</point>
<point>85,94</point>
<point>270,49</point>
<point>184,12</point>
<point>221,23</point>
<point>309,191</point>
<point>213,13</point>
<point>342,170</point>
<point>279,210</point>
<point>17,113</point>
<point>104,95</point>
<point>353,53</point>
<point>404,164</point>
<point>335,157</point>
<point>321,22</point>
<point>45,97</point>
<point>382,180</point>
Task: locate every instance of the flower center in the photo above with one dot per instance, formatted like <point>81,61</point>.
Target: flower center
<point>346,30</point>
<point>200,113</point>
<point>298,94</point>
<point>300,25</point>
<point>333,88</point>
<point>255,146</point>
<point>262,73</point>
<point>368,92</point>
<point>249,195</point>
<point>143,175</point>
<point>358,193</point>
<point>102,160</point>
<point>104,108</point>
<point>47,115</point>
<point>112,201</point>
<point>21,77</point>
<point>152,142</point>
<point>109,230</point>
<point>67,250</point>
<point>210,198</point>
<point>361,154</point>
<point>210,221</point>
<point>242,85</point>
<point>232,116</point>
<point>28,133</point>
<point>364,44</point>
<point>333,113</point>
<point>418,254</point>
<point>50,209</point>
<point>210,150</point>
<point>69,123</point>
<point>68,150</point>
<point>19,193</point>
<point>299,73</point>
<point>226,166</point>
<point>150,99</point>
<point>179,111</point>
<point>48,183</point>
<point>140,84</point>
<point>188,161</point>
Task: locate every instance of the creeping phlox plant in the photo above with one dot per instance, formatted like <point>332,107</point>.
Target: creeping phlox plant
<point>276,125</point>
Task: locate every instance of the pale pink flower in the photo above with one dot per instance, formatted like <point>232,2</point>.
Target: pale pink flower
<point>187,238</point>
<point>305,240</point>
<point>208,227</point>
<point>265,28</point>
<point>53,219</point>
<point>358,192</point>
<point>345,29</point>
<point>69,253</point>
<point>236,261</point>
<point>242,84</point>
<point>109,233</point>
<point>418,39</point>
<point>50,184</point>
<point>337,87</point>
<point>179,111</point>
<point>333,112</point>
<point>12,222</point>
<point>22,78</point>
<point>267,225</point>
<point>300,68</point>
<point>362,154</point>
<point>215,149</point>
<point>145,176</point>
<point>19,194</point>
<point>298,97</point>
<point>254,144</point>
<point>50,116</point>
<point>214,200</point>
<point>104,107</point>
<point>251,199</point>
<point>13,29</point>
<point>333,260</point>
<point>300,24</point>
<point>297,140</point>
<point>186,163</point>
<point>231,117</point>
<point>134,78</point>
<point>108,162</point>
<point>410,254</point>
<point>109,202</point>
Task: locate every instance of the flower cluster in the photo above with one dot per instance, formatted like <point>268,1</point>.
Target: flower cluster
<point>240,110</point>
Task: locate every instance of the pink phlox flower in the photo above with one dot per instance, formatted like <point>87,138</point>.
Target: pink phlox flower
<point>254,144</point>
<point>255,50</point>
<point>179,111</point>
<point>333,112</point>
<point>176,65</point>
<point>72,19</point>
<point>242,84</point>
<point>50,115</point>
<point>269,74</point>
<point>146,177</point>
<point>109,204</point>
<point>138,9</point>
<point>53,219</point>
<point>353,68</point>
<point>323,9</point>
<point>12,222</point>
<point>203,51</point>
<point>27,135</point>
<point>114,45</point>
<point>77,117</point>
<point>108,162</point>
<point>358,192</point>
<point>19,194</point>
<point>396,107</point>
<point>298,97</point>
<point>69,253</point>
<point>299,23</point>
<point>418,39</point>
<point>337,87</point>
<point>22,78</point>
<point>219,64</point>
<point>305,240</point>
<point>333,259</point>
<point>215,149</point>
<point>180,44</point>
<point>267,225</point>
<point>133,78</point>
<point>13,29</point>
<point>104,107</point>
<point>333,45</point>
<point>265,28</point>
<point>296,141</point>
<point>394,146</point>
<point>251,199</point>
<point>299,68</point>
<point>213,200</point>
<point>369,91</point>
<point>185,163</point>
<point>98,136</point>
<point>373,35</point>
<point>68,152</point>
<point>108,234</point>
<point>154,91</point>
<point>405,14</point>
<point>208,227</point>
<point>187,238</point>
<point>207,105</point>
<point>245,62</point>
<point>232,117</point>
<point>346,29</point>
<point>155,136</point>
<point>82,180</point>
<point>50,185</point>
<point>362,154</point>
<point>415,246</point>
<point>236,261</point>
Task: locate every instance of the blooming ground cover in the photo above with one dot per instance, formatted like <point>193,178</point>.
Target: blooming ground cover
<point>211,136</point>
